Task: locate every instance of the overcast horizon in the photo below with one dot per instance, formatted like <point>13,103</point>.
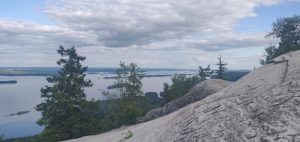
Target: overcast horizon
<point>151,33</point>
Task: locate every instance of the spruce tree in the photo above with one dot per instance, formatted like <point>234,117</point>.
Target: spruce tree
<point>66,114</point>
<point>221,68</point>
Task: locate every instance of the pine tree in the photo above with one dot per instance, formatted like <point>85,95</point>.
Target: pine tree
<point>130,86</point>
<point>66,114</point>
<point>221,68</point>
<point>129,80</point>
<point>287,31</point>
<point>204,72</point>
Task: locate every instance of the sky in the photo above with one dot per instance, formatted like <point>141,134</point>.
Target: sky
<point>151,33</point>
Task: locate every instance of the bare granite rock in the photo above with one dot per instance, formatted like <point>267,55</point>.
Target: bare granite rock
<point>263,106</point>
<point>198,92</point>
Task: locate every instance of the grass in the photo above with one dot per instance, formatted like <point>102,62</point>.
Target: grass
<point>128,135</point>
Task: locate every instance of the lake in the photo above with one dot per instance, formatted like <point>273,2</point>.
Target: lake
<point>25,95</point>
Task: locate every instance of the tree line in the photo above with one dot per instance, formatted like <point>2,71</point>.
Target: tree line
<point>67,114</point>
<point>181,83</point>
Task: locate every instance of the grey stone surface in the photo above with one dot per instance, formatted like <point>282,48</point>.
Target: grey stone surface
<point>198,92</point>
<point>263,106</point>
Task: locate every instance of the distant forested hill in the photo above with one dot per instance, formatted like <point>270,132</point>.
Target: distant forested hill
<point>234,75</point>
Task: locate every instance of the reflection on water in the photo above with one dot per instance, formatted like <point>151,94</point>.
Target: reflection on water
<point>25,95</point>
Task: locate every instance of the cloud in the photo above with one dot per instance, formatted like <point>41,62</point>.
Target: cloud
<point>20,33</point>
<point>107,31</point>
<point>131,23</point>
<point>229,41</point>
<point>122,23</point>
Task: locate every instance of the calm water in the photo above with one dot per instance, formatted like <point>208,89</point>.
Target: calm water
<point>25,95</point>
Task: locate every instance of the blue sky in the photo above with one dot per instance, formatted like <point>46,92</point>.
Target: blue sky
<point>178,35</point>
<point>28,10</point>
<point>266,16</point>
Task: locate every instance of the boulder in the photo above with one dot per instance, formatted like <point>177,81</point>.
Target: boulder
<point>198,92</point>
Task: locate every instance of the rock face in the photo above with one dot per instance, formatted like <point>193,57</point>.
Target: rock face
<point>198,92</point>
<point>263,106</point>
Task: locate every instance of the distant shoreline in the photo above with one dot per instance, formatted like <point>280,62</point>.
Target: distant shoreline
<point>146,76</point>
<point>26,74</point>
<point>48,71</point>
<point>115,77</point>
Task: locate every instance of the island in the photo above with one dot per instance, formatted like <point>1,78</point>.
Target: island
<point>162,75</point>
<point>8,82</point>
<point>19,113</point>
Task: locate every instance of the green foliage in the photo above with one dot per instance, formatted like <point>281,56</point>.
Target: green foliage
<point>204,72</point>
<point>271,52</point>
<point>287,30</point>
<point>111,116</point>
<point>167,93</point>
<point>181,84</point>
<point>1,138</point>
<point>20,139</point>
<point>130,87</point>
<point>152,100</point>
<point>66,114</point>
<point>221,68</point>
<point>132,108</point>
<point>235,75</point>
<point>129,80</point>
<point>128,135</point>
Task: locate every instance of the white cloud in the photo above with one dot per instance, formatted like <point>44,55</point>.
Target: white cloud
<point>175,32</point>
<point>20,33</point>
<point>119,23</point>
